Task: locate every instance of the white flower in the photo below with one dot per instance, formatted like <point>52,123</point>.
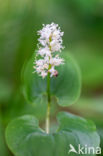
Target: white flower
<point>56,61</point>
<point>51,35</point>
<point>43,74</point>
<point>40,62</point>
<point>44,51</point>
<point>53,72</point>
<point>50,41</point>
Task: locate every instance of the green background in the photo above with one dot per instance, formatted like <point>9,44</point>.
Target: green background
<point>82,23</point>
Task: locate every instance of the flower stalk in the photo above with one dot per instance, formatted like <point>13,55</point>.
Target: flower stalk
<point>48,105</point>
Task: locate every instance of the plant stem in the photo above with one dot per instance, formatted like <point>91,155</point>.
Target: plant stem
<point>48,106</point>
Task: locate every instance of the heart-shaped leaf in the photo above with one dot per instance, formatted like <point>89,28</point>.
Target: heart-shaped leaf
<point>65,88</point>
<point>25,138</point>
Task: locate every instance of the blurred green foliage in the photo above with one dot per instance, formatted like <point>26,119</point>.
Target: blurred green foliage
<point>82,23</point>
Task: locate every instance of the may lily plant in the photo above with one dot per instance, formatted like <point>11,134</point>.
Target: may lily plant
<point>50,45</point>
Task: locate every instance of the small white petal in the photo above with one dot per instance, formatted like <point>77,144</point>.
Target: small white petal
<point>43,74</point>
<point>52,71</point>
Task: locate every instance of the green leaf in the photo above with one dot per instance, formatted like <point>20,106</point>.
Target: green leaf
<point>25,138</point>
<point>3,148</point>
<point>100,132</point>
<point>65,88</point>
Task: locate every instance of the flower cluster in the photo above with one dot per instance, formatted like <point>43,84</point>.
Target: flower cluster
<point>50,41</point>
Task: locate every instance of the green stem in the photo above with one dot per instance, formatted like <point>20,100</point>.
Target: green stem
<point>48,106</point>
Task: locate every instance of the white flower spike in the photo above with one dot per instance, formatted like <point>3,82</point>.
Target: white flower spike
<point>50,41</point>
